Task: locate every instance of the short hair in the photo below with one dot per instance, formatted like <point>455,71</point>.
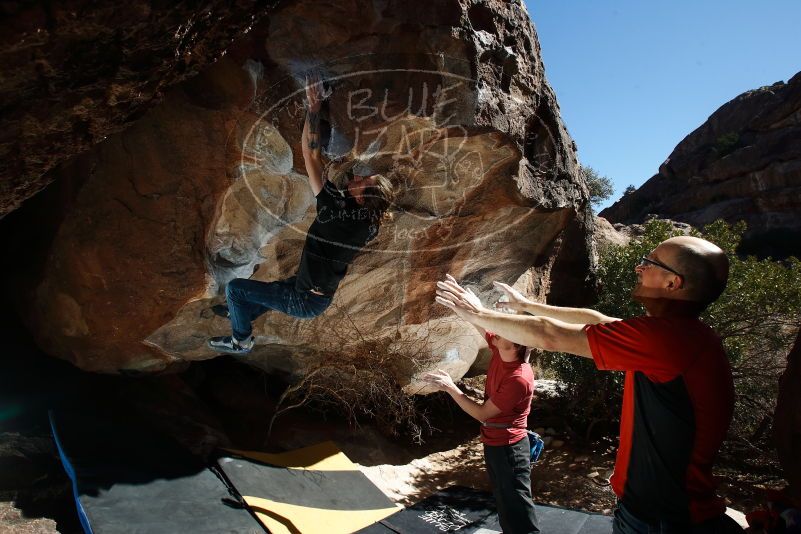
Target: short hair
<point>379,197</point>
<point>523,352</point>
<point>704,270</point>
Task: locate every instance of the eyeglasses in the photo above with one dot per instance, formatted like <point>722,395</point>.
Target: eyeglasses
<point>646,261</point>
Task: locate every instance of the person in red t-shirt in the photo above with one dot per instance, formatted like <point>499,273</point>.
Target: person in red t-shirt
<point>503,416</point>
<point>678,395</point>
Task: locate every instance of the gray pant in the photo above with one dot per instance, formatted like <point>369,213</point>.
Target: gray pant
<point>627,523</point>
<point>509,468</point>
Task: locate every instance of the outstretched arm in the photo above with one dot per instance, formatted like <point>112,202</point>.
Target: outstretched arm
<point>310,139</point>
<point>517,302</point>
<point>532,331</point>
<point>442,381</point>
<point>480,330</point>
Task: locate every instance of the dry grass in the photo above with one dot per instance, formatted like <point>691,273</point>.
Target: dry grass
<point>363,380</point>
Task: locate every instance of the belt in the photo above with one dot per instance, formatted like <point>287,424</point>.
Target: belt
<point>500,425</point>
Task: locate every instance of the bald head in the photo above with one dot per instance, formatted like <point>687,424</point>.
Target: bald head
<point>703,265</point>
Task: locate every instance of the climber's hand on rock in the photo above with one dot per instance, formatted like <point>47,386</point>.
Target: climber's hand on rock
<point>439,380</point>
<point>314,92</point>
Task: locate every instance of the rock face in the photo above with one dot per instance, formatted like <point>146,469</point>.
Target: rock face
<point>607,235</point>
<point>139,236</point>
<point>618,234</point>
<point>743,163</point>
<point>77,72</point>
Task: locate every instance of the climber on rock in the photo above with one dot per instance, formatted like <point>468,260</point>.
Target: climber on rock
<point>351,203</point>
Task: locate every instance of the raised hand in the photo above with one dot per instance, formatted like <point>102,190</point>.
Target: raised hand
<point>314,92</point>
<point>512,298</point>
<point>439,380</point>
<point>463,301</point>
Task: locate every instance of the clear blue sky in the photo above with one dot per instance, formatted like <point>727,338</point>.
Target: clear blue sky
<point>634,77</point>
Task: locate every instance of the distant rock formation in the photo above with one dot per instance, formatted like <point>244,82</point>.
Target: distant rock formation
<point>137,237</point>
<point>607,235</point>
<point>743,163</point>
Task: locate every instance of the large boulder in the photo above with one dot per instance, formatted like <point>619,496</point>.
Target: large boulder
<point>743,163</point>
<point>606,235</point>
<point>75,72</point>
<point>144,231</point>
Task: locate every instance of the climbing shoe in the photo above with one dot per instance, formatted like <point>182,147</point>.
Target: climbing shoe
<point>229,345</point>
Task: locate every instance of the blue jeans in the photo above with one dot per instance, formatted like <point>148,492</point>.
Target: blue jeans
<point>248,299</point>
<point>627,523</point>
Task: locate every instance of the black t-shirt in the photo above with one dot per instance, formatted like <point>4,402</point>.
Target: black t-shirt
<point>340,230</point>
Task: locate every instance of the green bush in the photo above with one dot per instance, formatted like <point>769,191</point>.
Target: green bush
<point>757,318</point>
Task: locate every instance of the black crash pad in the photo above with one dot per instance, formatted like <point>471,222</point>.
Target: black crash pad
<point>129,479</point>
<point>469,511</point>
